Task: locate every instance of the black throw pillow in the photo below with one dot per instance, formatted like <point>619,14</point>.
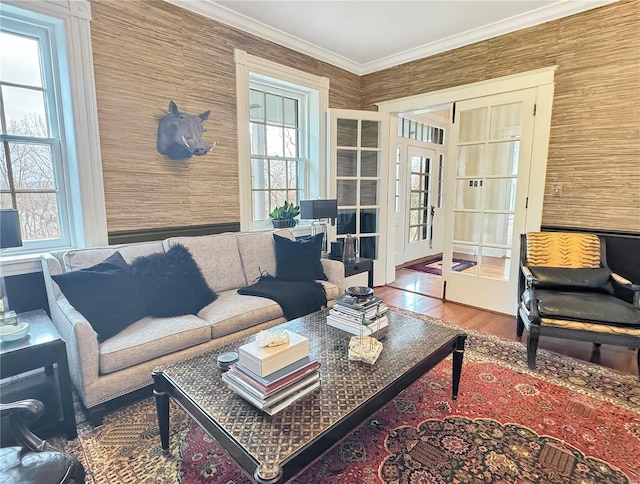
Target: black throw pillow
<point>299,260</point>
<point>105,294</point>
<point>171,283</point>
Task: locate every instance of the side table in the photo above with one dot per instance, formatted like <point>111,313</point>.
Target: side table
<point>42,347</point>
<point>358,266</point>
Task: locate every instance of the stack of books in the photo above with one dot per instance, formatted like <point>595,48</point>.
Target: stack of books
<point>366,318</point>
<point>272,378</point>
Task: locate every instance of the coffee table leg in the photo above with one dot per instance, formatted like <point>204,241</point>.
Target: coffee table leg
<point>458,353</point>
<point>162,408</point>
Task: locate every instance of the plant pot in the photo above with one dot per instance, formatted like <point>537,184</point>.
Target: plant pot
<point>284,223</point>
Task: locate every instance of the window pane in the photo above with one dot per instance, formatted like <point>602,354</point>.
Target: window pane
<point>466,227</point>
<point>32,166</point>
<point>291,142</point>
<point>290,112</point>
<point>274,109</point>
<point>292,174</point>
<point>470,160</point>
<point>274,141</point>
<point>370,134</point>
<point>4,179</point>
<point>277,199</point>
<point>346,223</point>
<point>257,139</point>
<point>495,263</point>
<point>5,200</point>
<point>347,162</point>
<point>20,64</point>
<point>505,121</point>
<point>347,132</point>
<point>256,105</point>
<point>25,112</point>
<point>467,194</point>
<point>260,206</point>
<point>472,125</point>
<point>259,174</point>
<point>369,247</point>
<point>38,215</point>
<point>500,194</point>
<point>502,158</point>
<point>368,220</point>
<point>278,174</point>
<point>370,164</point>
<point>465,253</point>
<point>346,192</point>
<point>368,192</point>
<point>497,228</point>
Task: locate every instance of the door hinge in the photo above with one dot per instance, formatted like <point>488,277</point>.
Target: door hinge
<point>444,290</point>
<point>535,108</point>
<point>526,203</point>
<point>453,114</point>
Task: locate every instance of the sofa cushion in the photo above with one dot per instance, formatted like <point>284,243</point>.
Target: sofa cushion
<point>105,294</point>
<point>218,259</point>
<point>150,338</point>
<point>258,252</point>
<point>81,258</point>
<point>171,283</point>
<point>233,312</point>
<point>299,260</point>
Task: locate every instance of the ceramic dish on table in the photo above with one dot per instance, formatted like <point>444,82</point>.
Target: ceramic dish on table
<point>361,293</point>
<point>13,332</point>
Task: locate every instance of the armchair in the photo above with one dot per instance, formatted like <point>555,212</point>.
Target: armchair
<point>34,461</point>
<point>566,290</point>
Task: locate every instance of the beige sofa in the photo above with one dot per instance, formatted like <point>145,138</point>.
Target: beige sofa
<point>123,364</point>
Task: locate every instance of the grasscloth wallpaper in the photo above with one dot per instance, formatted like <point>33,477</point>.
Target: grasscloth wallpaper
<point>147,52</point>
<point>594,150</point>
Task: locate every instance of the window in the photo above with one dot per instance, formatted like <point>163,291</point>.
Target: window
<point>281,137</point>
<point>31,164</point>
<point>49,171</point>
<point>278,149</point>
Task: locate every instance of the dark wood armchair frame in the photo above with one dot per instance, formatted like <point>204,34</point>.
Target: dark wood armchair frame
<point>532,320</point>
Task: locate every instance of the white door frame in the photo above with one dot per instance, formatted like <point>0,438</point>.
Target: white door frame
<point>540,78</point>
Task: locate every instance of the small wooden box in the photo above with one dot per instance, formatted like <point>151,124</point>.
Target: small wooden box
<point>264,361</point>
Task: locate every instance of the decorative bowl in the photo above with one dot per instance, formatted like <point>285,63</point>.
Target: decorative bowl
<point>10,332</point>
<point>361,293</point>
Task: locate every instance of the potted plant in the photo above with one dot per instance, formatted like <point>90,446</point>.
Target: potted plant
<point>285,216</point>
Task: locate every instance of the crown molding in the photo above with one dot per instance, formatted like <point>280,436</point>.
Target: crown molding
<point>562,8</point>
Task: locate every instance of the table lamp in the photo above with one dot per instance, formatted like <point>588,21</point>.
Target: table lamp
<point>320,211</point>
<point>10,236</point>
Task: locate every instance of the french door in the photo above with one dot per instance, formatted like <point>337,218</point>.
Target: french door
<point>490,148</point>
<point>358,142</point>
<point>422,214</point>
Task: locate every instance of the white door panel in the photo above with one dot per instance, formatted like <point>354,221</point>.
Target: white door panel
<point>358,149</point>
<point>487,177</point>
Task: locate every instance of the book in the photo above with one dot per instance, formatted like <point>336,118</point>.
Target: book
<point>352,302</point>
<point>278,401</point>
<point>270,388</point>
<point>358,329</point>
<point>368,315</point>
<point>276,376</point>
<point>268,359</point>
<point>274,397</point>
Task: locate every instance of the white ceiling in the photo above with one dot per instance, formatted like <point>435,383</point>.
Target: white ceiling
<point>365,36</point>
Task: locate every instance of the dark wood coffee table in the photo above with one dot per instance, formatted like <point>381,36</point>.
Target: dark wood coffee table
<point>275,448</point>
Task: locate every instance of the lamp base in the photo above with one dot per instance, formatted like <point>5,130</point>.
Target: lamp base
<point>320,226</point>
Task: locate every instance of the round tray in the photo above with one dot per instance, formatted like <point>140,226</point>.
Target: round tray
<point>361,293</point>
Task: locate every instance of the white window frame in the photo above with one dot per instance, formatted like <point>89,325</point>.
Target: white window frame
<point>248,68</point>
<point>68,22</point>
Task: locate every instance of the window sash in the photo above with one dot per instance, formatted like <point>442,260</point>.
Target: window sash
<point>49,69</point>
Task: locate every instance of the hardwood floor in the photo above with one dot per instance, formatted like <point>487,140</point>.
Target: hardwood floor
<point>408,292</point>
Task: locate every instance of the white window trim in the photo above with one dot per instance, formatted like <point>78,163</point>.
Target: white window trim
<point>247,64</point>
<point>85,161</point>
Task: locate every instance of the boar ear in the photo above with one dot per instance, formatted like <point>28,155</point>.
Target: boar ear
<point>173,109</point>
<point>204,116</point>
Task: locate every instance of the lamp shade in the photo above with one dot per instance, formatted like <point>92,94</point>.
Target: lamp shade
<point>316,209</point>
<point>10,235</point>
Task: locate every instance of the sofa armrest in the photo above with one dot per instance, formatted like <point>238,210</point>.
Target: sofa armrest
<point>626,290</point>
<point>334,270</point>
<point>80,338</point>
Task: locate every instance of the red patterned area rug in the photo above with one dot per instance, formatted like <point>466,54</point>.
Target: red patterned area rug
<point>434,266</point>
<point>566,422</point>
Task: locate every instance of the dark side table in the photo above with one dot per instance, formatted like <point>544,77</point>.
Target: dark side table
<point>358,266</point>
<point>42,347</point>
